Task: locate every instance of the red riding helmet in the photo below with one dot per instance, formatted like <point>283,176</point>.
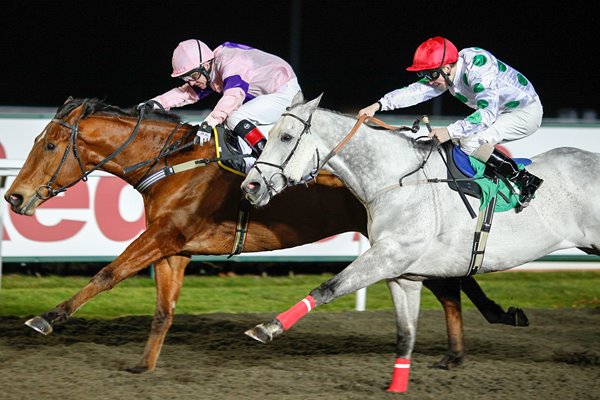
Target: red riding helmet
<point>434,53</point>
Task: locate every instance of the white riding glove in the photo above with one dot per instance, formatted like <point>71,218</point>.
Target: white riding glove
<point>204,133</point>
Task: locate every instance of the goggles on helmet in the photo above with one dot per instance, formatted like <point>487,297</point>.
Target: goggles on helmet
<point>429,74</point>
<point>194,75</point>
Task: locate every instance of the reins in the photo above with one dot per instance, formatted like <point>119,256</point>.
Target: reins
<point>361,120</point>
<point>166,151</point>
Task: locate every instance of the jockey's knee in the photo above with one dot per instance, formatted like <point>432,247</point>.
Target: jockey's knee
<point>477,147</point>
<point>483,152</point>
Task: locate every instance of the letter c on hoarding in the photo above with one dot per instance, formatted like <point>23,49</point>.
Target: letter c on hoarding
<point>108,216</point>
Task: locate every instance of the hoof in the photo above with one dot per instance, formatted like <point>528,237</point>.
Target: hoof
<point>39,324</point>
<point>518,316</point>
<point>136,370</point>
<point>264,333</point>
<point>448,362</point>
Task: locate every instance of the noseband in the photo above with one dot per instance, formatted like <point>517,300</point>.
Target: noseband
<point>286,181</point>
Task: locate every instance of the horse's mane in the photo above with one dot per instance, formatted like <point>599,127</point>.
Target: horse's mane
<point>96,106</point>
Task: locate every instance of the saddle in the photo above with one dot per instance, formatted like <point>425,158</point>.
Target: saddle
<point>229,151</point>
<point>459,167</point>
<point>460,171</point>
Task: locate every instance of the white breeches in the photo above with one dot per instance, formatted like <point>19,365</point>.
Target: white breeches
<point>263,111</point>
<point>266,109</point>
<point>509,126</point>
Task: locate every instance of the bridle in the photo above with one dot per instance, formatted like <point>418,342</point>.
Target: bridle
<point>72,144</point>
<point>287,182</point>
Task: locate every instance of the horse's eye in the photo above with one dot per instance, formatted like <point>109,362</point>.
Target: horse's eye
<point>286,137</point>
<point>50,146</point>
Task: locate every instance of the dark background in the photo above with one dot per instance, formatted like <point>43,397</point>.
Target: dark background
<point>353,51</point>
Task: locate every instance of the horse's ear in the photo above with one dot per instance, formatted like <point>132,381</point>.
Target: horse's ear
<point>70,99</point>
<point>313,104</point>
<point>298,98</point>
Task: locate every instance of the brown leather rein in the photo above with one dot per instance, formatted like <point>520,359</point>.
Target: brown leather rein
<point>361,120</point>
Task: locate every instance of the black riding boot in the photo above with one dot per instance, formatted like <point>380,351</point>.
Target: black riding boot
<point>505,167</point>
<point>251,135</point>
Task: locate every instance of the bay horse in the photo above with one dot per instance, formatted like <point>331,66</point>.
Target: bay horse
<point>417,229</point>
<point>194,212</point>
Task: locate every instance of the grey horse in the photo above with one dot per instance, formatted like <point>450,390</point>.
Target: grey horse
<point>418,230</point>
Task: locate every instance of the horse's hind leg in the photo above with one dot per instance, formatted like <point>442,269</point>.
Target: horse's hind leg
<point>447,291</point>
<point>406,296</point>
<point>169,274</point>
<point>492,311</point>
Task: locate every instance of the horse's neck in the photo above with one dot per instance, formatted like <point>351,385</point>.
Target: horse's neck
<point>371,160</point>
<point>109,136</point>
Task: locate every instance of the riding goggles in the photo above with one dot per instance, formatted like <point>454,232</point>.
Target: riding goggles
<point>430,74</point>
<point>193,76</point>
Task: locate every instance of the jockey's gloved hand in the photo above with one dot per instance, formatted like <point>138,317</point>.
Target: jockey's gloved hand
<point>203,134</point>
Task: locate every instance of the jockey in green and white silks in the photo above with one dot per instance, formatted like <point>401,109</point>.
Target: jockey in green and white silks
<point>506,103</point>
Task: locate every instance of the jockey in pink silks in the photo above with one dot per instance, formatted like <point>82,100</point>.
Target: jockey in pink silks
<point>256,88</point>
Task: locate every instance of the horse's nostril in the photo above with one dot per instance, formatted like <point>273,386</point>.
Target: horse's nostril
<point>14,199</point>
<point>252,187</point>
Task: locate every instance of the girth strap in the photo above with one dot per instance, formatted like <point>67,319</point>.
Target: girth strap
<point>173,169</point>
<point>484,225</point>
<point>241,230</point>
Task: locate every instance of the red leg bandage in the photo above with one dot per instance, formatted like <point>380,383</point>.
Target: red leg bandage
<point>290,317</point>
<point>400,378</point>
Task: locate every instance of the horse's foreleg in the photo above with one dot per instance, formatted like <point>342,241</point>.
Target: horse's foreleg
<point>374,265</point>
<point>447,291</point>
<point>491,311</point>
<point>169,274</point>
<point>139,254</point>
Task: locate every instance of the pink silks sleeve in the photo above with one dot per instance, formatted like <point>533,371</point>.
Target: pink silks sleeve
<point>177,97</point>
<point>231,100</point>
